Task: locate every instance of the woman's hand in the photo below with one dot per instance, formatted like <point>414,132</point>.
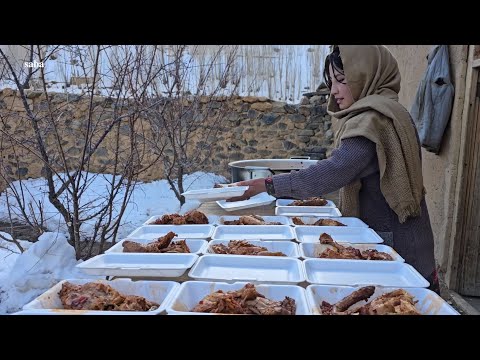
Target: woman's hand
<point>256,186</point>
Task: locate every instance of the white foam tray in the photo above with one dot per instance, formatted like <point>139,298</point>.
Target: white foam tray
<point>307,211</point>
<point>152,232</point>
<point>196,246</point>
<point>355,272</point>
<point>191,292</point>
<point>356,235</point>
<point>310,250</point>
<point>347,221</point>
<point>429,303</point>
<point>158,291</point>
<point>138,265</point>
<point>255,269</point>
<point>289,248</point>
<point>213,194</point>
<point>258,200</point>
<point>286,202</point>
<point>253,232</point>
<point>212,220</point>
<point>281,219</point>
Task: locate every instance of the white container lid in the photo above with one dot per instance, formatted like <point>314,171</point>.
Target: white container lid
<point>255,269</point>
<point>253,232</point>
<point>356,235</point>
<point>356,273</point>
<point>214,194</point>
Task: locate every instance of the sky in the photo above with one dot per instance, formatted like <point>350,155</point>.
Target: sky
<point>44,263</point>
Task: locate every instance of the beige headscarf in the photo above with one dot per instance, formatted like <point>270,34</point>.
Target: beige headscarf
<point>374,80</point>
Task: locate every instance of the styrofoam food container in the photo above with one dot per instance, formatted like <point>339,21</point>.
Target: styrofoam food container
<point>255,269</point>
<point>157,291</point>
<point>196,246</point>
<point>258,200</point>
<point>429,303</point>
<point>307,211</point>
<point>138,264</point>
<point>354,272</point>
<point>213,194</point>
<point>152,232</point>
<point>347,221</point>
<point>253,232</point>
<point>191,292</point>
<point>289,248</point>
<point>309,250</point>
<point>357,235</point>
<point>281,219</point>
<point>212,220</point>
<point>286,202</point>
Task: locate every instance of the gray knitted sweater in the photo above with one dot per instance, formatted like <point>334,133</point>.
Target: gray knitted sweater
<point>356,158</point>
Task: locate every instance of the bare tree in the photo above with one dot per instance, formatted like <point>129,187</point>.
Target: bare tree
<point>194,97</point>
<point>110,124</point>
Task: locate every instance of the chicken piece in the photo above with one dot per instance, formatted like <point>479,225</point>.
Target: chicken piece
<point>251,220</point>
<point>263,306</point>
<point>328,222</point>
<point>100,296</point>
<point>395,302</point>
<point>153,247</point>
<point>372,254</point>
<point>341,307</point>
<point>196,217</point>
<point>244,301</point>
<point>179,246</point>
<point>166,219</point>
<point>313,201</point>
<point>297,221</point>
<point>181,220</point>
<point>242,247</point>
<point>232,222</point>
<point>338,251</point>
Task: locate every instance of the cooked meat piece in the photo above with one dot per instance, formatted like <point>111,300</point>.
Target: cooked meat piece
<point>313,201</point>
<point>179,246</point>
<point>166,219</point>
<point>242,247</point>
<point>250,220</point>
<point>196,217</point>
<point>297,221</point>
<point>153,247</point>
<point>372,254</point>
<point>349,252</point>
<point>328,222</point>
<point>100,296</point>
<point>397,302</point>
<point>191,217</point>
<point>244,301</point>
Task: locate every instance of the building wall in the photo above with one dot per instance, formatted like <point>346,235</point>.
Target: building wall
<point>439,171</point>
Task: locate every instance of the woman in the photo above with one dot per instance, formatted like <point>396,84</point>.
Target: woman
<point>376,162</point>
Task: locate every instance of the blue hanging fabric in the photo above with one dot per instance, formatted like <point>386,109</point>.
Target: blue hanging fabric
<point>433,102</point>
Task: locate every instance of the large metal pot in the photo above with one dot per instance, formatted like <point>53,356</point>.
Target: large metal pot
<point>260,168</point>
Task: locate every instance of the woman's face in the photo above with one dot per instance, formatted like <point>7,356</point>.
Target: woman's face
<point>340,90</point>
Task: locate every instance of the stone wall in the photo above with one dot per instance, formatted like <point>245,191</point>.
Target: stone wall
<point>253,128</point>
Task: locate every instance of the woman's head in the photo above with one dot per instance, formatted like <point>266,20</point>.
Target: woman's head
<point>335,78</point>
<point>365,70</point>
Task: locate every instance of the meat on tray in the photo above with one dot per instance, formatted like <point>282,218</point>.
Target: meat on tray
<point>243,247</point>
<point>191,217</point>
<point>320,222</point>
<point>250,220</point>
<point>348,252</point>
<point>397,302</point>
<point>312,201</point>
<point>100,296</point>
<point>163,244</point>
<point>244,301</point>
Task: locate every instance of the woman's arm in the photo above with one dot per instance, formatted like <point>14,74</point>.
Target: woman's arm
<point>347,163</point>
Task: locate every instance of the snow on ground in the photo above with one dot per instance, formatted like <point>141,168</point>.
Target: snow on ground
<point>25,276</point>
